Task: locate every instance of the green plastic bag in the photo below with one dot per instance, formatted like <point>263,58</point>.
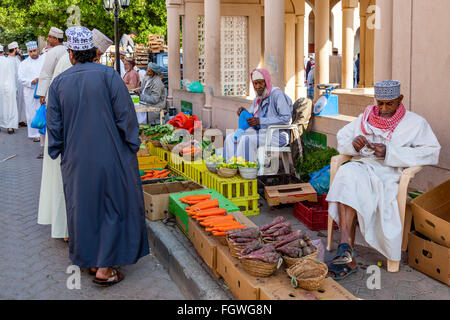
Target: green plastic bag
<point>195,87</point>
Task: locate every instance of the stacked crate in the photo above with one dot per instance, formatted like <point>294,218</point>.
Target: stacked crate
<point>156,43</point>
<point>141,56</point>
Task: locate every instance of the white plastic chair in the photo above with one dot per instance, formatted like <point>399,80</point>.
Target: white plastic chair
<point>269,154</point>
<point>407,175</point>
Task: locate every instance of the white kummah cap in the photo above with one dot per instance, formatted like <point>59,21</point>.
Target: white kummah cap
<point>387,90</point>
<point>31,45</point>
<point>101,42</point>
<point>1,48</point>
<point>13,45</point>
<point>79,38</point>
<point>257,76</point>
<point>55,32</point>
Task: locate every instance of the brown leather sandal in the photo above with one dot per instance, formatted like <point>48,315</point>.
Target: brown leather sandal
<point>116,277</point>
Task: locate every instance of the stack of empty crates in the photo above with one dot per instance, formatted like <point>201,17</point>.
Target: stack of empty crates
<point>141,56</point>
<point>156,43</point>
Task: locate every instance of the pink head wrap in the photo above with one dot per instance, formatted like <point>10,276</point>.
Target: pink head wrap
<point>269,87</point>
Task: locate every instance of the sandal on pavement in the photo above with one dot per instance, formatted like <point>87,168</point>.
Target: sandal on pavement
<point>344,254</point>
<point>40,156</point>
<point>92,271</point>
<point>338,269</point>
<point>10,131</point>
<point>36,140</point>
<point>116,277</point>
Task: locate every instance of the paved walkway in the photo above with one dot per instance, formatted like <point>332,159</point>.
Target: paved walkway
<point>32,264</point>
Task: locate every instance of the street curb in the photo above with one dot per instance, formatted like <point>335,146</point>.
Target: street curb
<point>183,264</point>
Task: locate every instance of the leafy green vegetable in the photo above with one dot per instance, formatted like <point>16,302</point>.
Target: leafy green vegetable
<point>315,159</point>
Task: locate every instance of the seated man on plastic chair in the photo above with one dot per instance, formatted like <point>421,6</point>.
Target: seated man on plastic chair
<point>383,140</point>
<point>270,107</point>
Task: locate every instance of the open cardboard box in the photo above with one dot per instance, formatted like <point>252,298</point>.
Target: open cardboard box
<point>156,197</point>
<point>431,213</point>
<point>429,257</point>
<point>291,193</point>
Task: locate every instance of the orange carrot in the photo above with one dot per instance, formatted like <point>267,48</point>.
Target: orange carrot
<point>207,204</point>
<point>218,233</point>
<point>229,228</point>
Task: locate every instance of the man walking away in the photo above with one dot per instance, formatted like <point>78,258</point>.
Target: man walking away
<point>92,123</point>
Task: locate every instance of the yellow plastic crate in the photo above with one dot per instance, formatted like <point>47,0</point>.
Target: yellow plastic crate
<point>231,188</point>
<point>159,152</point>
<point>151,162</point>
<point>248,207</point>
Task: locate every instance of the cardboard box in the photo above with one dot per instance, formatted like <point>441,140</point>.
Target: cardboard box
<point>291,193</point>
<point>242,285</point>
<point>156,197</point>
<point>429,257</point>
<point>278,287</point>
<point>205,244</point>
<point>431,213</point>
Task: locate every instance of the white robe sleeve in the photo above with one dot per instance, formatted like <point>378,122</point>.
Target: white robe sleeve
<point>25,76</point>
<point>46,75</point>
<point>345,138</point>
<point>423,150</point>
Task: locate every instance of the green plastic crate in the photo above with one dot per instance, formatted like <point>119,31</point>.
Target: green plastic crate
<point>177,208</point>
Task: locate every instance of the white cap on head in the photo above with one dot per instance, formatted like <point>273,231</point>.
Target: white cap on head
<point>1,48</point>
<point>101,42</point>
<point>387,90</point>
<point>257,76</point>
<point>13,45</point>
<point>55,32</point>
<point>79,38</point>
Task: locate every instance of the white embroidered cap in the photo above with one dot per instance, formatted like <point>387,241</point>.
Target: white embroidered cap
<point>79,38</point>
<point>101,42</point>
<point>31,45</point>
<point>13,45</point>
<point>256,75</point>
<point>55,32</point>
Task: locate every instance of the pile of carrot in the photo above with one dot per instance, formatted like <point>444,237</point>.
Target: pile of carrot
<point>207,212</point>
<point>190,150</point>
<point>155,174</point>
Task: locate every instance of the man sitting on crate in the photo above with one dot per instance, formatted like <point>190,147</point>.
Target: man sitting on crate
<point>270,107</point>
<point>366,187</point>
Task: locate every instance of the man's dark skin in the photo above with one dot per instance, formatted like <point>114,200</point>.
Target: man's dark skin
<point>53,42</point>
<point>259,86</point>
<point>347,215</point>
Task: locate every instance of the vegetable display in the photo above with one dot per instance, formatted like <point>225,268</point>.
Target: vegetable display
<point>171,139</point>
<point>215,159</point>
<point>156,174</point>
<point>315,159</point>
<point>159,129</point>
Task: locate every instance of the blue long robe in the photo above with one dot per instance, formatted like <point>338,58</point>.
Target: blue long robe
<point>92,123</point>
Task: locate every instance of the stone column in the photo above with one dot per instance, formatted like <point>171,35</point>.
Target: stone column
<point>190,44</point>
<point>383,42</point>
<point>212,45</point>
<point>362,42</point>
<point>370,51</point>
<point>348,42</point>
<point>212,58</point>
<point>322,44</point>
<point>290,56</point>
<point>274,40</point>
<point>300,89</point>
<point>173,36</point>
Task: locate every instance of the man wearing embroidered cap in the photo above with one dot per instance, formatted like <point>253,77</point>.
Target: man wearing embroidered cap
<point>14,55</point>
<point>92,124</point>
<point>29,71</point>
<point>8,87</point>
<point>55,40</point>
<point>152,93</point>
<point>383,140</point>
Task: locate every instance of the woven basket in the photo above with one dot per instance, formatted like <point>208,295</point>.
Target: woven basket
<point>308,274</point>
<point>258,268</point>
<point>234,249</point>
<point>291,261</point>
<point>211,167</point>
<point>222,240</point>
<point>226,172</point>
<point>143,153</point>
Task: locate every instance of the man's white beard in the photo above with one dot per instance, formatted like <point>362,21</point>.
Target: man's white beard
<point>263,94</point>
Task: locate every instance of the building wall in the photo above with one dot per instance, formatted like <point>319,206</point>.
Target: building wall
<point>421,61</point>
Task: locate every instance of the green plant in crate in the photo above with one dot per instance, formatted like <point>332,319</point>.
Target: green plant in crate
<point>216,159</point>
<point>171,139</point>
<point>231,164</point>
<point>315,159</point>
<point>162,129</point>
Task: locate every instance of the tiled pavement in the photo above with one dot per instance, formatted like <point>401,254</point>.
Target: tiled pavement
<point>32,264</point>
<point>407,284</point>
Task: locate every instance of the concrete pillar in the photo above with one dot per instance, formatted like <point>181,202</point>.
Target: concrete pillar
<point>212,45</point>
<point>290,57</point>
<point>300,89</point>
<point>363,4</point>
<point>212,58</point>
<point>190,44</point>
<point>173,36</point>
<point>348,42</point>
<point>274,40</point>
<point>322,44</point>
